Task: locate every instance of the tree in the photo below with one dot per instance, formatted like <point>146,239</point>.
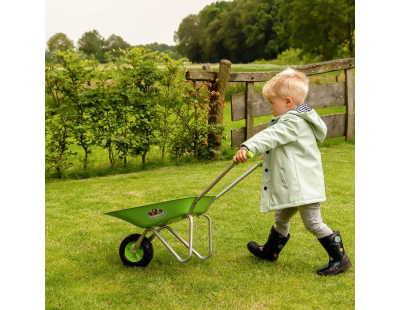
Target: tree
<point>91,42</point>
<point>164,49</point>
<point>328,25</point>
<point>211,38</point>
<point>59,41</point>
<point>67,89</point>
<point>48,55</point>
<point>234,22</point>
<point>262,31</point>
<point>187,38</point>
<point>223,24</point>
<point>346,15</point>
<point>115,42</point>
<point>212,42</point>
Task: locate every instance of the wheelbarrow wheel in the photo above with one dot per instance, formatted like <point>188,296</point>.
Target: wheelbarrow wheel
<point>143,256</point>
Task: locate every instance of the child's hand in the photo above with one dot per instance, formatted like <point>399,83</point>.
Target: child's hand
<point>261,158</point>
<point>240,156</point>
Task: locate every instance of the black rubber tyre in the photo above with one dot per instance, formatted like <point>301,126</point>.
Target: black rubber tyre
<point>144,255</point>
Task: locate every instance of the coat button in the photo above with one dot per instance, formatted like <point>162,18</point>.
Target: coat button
<point>267,152</point>
<point>266,170</point>
<point>265,187</point>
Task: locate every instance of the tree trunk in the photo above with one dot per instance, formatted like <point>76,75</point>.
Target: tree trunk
<point>86,160</point>
<point>86,153</point>
<point>325,53</point>
<point>179,152</point>
<point>350,38</point>
<point>111,156</point>
<point>144,158</point>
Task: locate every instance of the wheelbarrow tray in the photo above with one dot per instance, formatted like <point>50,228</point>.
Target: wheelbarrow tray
<point>162,213</point>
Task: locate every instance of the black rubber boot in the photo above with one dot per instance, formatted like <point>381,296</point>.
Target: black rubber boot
<point>270,250</point>
<point>338,259</point>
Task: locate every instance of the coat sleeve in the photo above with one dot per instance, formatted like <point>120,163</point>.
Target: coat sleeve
<point>283,132</point>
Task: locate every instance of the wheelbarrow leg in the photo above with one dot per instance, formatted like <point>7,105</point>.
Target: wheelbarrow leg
<point>190,245</point>
<point>139,241</point>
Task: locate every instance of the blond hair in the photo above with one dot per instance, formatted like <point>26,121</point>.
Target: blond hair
<point>288,83</point>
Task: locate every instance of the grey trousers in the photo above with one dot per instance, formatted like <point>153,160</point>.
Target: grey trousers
<point>311,216</point>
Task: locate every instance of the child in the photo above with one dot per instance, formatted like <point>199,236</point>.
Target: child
<point>292,177</point>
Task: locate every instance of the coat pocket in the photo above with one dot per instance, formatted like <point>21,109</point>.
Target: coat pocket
<point>283,179</point>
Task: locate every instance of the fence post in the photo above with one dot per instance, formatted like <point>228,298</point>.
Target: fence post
<point>349,95</point>
<point>223,77</point>
<point>249,100</point>
<point>206,67</point>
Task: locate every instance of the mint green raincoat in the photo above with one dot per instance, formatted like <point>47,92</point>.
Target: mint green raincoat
<point>292,169</point>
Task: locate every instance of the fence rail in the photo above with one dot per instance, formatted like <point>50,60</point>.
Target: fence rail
<point>312,69</point>
<point>250,104</point>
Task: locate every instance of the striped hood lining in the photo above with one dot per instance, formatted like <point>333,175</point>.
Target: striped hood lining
<point>302,108</point>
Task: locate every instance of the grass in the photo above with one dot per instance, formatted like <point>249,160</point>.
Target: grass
<point>84,271</point>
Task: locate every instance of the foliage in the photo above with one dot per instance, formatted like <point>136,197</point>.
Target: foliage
<point>328,24</point>
<point>137,86</point>
<point>48,55</point>
<point>246,30</point>
<point>164,49</point>
<point>262,32</point>
<point>189,137</point>
<point>91,42</point>
<point>59,41</point>
<point>227,30</point>
<point>58,121</point>
<point>66,84</point>
<point>173,93</point>
<point>58,144</point>
<point>125,109</point>
<point>115,43</point>
<point>187,38</point>
<point>292,56</point>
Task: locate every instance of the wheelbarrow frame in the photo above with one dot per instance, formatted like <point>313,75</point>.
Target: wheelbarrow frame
<point>189,245</point>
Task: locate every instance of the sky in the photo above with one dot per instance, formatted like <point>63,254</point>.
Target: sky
<point>137,22</point>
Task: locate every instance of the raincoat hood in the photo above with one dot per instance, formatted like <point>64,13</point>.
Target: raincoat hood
<point>317,124</point>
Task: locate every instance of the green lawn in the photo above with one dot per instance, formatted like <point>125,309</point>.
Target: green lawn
<point>84,271</point>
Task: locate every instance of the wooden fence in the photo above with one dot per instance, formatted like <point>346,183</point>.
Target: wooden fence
<point>250,104</point>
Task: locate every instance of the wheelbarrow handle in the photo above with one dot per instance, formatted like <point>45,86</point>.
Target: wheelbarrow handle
<point>249,154</point>
<point>259,164</point>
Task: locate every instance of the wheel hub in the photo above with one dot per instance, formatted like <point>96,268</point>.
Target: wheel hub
<point>133,255</point>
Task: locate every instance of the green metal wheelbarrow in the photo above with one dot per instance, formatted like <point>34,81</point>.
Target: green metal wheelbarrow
<point>137,250</point>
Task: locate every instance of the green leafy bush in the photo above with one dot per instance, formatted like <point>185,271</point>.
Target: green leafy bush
<point>125,107</point>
